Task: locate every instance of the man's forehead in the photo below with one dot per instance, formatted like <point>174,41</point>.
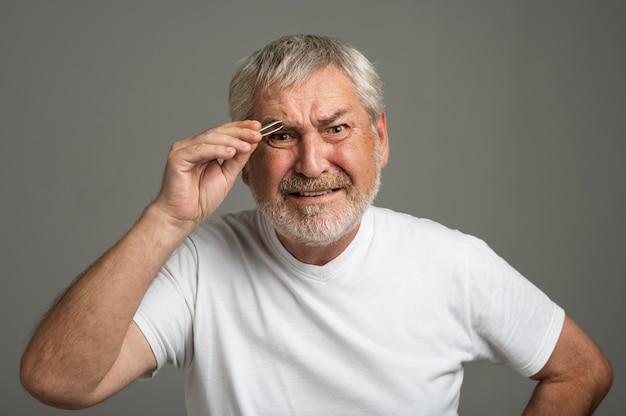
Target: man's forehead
<point>329,73</point>
<point>324,97</point>
<point>329,76</point>
<point>320,119</point>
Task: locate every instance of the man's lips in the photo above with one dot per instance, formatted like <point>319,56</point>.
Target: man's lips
<point>314,193</point>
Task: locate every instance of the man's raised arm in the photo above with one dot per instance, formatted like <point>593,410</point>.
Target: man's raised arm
<point>87,347</point>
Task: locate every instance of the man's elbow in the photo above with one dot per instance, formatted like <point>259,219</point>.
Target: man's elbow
<point>602,375</point>
<point>595,381</point>
<point>48,389</point>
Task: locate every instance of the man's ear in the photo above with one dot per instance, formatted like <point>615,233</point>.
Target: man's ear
<point>245,174</point>
<point>383,137</point>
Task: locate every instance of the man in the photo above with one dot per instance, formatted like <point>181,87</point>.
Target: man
<point>317,303</point>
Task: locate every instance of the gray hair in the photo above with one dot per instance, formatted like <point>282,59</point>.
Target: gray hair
<point>290,60</point>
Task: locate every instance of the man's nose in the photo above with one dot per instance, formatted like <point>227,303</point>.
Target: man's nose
<point>312,155</point>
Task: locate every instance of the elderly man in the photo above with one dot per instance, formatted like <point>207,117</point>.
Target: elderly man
<point>316,303</point>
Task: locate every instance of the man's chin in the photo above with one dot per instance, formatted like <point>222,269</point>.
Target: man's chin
<point>312,211</point>
<point>316,238</point>
<point>315,226</point>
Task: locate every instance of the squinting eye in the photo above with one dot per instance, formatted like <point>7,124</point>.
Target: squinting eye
<point>279,137</point>
<point>338,129</point>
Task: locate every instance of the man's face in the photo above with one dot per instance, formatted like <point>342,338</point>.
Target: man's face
<point>316,188</point>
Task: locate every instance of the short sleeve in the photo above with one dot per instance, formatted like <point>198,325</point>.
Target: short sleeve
<point>514,322</point>
<point>165,315</point>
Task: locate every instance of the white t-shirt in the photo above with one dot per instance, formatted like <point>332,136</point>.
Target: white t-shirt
<point>383,329</point>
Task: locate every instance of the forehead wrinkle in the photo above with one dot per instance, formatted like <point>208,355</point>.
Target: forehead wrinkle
<point>323,121</point>
<point>307,104</point>
<point>334,117</point>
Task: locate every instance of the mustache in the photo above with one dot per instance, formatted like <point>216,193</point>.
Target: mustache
<point>300,183</point>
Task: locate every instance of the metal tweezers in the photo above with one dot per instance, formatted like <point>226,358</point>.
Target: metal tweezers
<point>270,128</point>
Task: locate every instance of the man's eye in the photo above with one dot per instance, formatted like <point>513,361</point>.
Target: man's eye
<point>279,137</point>
<point>281,140</point>
<point>337,133</point>
<point>338,129</point>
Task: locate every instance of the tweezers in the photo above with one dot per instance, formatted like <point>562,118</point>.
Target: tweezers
<point>270,128</point>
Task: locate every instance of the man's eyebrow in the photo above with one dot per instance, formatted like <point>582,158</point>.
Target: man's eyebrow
<point>330,120</point>
<point>322,122</point>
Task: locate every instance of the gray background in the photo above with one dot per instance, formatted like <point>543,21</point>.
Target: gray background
<point>506,118</point>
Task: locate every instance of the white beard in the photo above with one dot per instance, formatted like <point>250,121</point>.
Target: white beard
<point>317,225</point>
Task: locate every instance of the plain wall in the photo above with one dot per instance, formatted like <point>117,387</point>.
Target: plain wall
<point>506,120</point>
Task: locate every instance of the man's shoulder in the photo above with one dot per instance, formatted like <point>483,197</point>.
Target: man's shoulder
<point>387,218</point>
<point>239,225</point>
<point>398,229</point>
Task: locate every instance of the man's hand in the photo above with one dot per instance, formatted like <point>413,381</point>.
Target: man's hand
<point>202,169</point>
